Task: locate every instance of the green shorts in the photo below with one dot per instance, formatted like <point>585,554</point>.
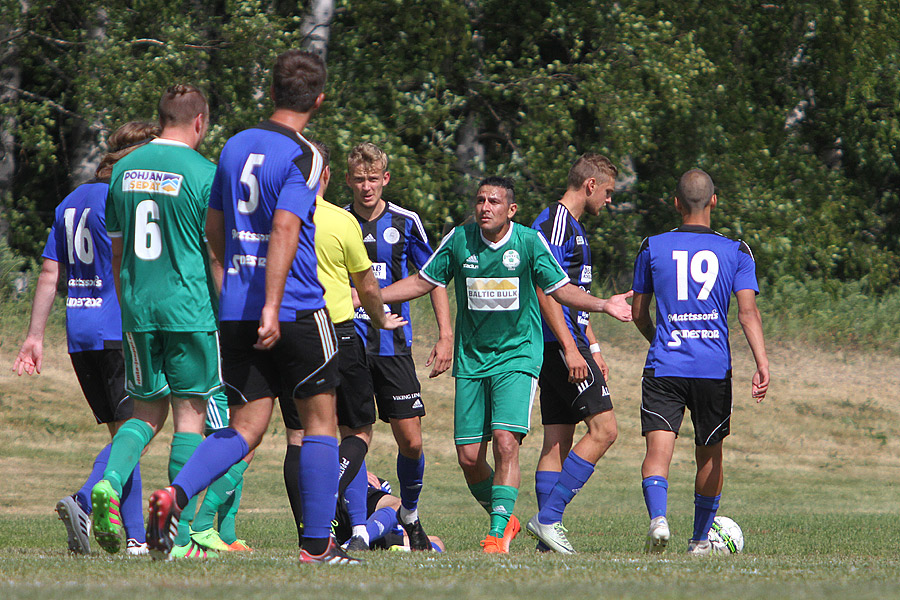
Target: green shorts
<point>184,364</point>
<point>217,414</point>
<point>500,401</point>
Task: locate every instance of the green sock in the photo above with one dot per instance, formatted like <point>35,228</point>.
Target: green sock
<point>228,512</point>
<point>183,445</point>
<point>482,492</point>
<point>503,500</point>
<point>127,445</point>
<point>221,490</point>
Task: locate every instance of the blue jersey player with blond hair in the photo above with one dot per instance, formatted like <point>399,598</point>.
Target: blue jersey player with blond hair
<point>693,271</point>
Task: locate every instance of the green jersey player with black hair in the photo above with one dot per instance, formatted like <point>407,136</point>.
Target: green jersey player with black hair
<point>499,343</point>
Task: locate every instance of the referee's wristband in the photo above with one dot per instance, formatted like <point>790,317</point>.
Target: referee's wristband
<point>595,348</point>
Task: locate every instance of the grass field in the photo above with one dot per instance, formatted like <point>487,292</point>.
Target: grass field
<point>810,475</point>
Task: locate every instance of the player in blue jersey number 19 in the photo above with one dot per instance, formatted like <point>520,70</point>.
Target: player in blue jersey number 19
<point>693,271</point>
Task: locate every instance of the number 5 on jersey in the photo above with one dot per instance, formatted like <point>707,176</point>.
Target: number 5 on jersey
<point>704,268</point>
<point>247,207</point>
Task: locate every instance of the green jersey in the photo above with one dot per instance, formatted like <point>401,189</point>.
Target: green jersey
<point>498,319</point>
<point>157,205</point>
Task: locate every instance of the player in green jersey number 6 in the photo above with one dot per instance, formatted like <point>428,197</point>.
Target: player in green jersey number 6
<point>499,343</point>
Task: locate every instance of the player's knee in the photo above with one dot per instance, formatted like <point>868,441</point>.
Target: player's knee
<point>410,448</point>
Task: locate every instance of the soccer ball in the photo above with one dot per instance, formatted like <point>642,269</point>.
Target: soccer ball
<point>726,536</point>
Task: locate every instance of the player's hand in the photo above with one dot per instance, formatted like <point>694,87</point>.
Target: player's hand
<point>618,307</point>
<point>604,368</point>
<point>760,384</point>
<point>269,329</point>
<point>30,357</point>
<point>578,367</point>
<point>392,321</point>
<point>442,357</point>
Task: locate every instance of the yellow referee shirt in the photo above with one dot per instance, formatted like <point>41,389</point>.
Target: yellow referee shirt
<point>340,251</point>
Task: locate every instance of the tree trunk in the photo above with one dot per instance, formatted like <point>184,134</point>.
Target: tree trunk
<point>88,140</point>
<point>10,75</point>
<point>316,27</point>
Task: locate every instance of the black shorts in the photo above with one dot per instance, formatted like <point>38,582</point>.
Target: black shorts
<point>397,389</point>
<point>565,403</point>
<point>355,397</point>
<point>101,374</point>
<point>301,364</point>
<point>665,398</point>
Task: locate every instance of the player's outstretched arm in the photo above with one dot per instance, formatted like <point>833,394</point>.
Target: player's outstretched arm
<point>751,322</point>
<point>556,321</point>
<point>640,311</point>
<point>406,289</point>
<point>441,355</point>
<point>215,240</point>
<point>280,255</point>
<point>616,306</point>
<point>369,292</point>
<point>31,354</point>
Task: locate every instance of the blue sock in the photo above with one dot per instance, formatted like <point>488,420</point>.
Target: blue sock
<point>84,494</point>
<point>318,484</point>
<point>543,485</point>
<point>410,472</point>
<point>656,495</point>
<point>133,506</point>
<point>705,508</point>
<point>575,473</point>
<point>212,458</point>
<point>381,522</point>
<point>356,496</point>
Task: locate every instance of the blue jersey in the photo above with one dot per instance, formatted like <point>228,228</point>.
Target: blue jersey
<point>569,244</point>
<point>393,241</point>
<point>693,271</point>
<point>78,241</point>
<point>261,169</point>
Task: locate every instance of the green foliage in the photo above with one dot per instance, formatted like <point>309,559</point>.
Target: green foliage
<point>791,107</point>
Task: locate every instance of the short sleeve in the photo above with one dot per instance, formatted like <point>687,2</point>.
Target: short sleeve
<point>418,249</point>
<point>547,272</point>
<point>745,274</point>
<point>355,255</point>
<point>438,269</point>
<point>113,226</point>
<point>643,277</point>
<point>559,252</point>
<point>50,249</point>
<point>296,196</point>
<point>215,192</point>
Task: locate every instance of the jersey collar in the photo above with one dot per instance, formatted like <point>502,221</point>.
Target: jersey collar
<point>695,229</point>
<point>503,240</point>
<point>166,142</point>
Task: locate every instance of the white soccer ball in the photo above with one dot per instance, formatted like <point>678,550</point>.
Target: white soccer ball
<point>726,536</point>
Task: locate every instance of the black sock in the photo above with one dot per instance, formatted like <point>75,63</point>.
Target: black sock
<point>351,454</point>
<point>315,546</point>
<point>292,484</point>
<point>181,499</point>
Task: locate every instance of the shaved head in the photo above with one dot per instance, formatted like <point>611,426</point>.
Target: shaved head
<point>695,189</point>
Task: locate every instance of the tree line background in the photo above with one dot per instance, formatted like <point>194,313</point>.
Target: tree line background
<point>791,106</point>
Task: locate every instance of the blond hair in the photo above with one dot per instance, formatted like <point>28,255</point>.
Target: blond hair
<point>369,156</point>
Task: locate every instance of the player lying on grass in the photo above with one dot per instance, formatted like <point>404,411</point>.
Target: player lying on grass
<point>693,271</point>
<point>78,242</point>
<point>499,346</point>
<point>384,529</point>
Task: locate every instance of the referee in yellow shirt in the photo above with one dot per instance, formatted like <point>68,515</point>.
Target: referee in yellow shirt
<point>341,257</point>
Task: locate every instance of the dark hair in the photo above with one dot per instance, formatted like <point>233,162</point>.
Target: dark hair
<point>297,80</point>
<point>322,147</point>
<point>590,165</point>
<point>123,140</point>
<point>501,182</point>
<point>180,104</point>
<point>695,189</point>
